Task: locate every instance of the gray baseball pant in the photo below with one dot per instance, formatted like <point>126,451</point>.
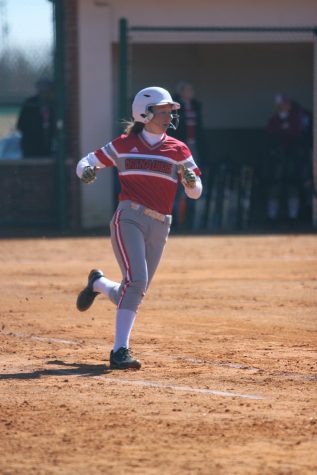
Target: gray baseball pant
<point>138,241</point>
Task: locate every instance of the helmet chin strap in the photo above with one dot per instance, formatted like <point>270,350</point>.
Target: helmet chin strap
<point>174,126</point>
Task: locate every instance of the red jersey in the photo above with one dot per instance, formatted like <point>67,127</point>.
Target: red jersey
<point>286,129</point>
<point>148,174</point>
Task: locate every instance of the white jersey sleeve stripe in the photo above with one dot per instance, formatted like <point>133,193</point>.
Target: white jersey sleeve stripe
<point>110,151</point>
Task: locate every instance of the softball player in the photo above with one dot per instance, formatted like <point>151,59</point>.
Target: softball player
<point>150,165</point>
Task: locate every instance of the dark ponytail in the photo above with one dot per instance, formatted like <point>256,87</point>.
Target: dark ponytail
<point>133,128</point>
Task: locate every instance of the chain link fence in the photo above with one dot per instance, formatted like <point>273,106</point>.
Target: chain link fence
<point>22,62</point>
<point>20,69</point>
<point>28,182</point>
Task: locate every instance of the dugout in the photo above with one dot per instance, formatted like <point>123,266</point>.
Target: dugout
<point>236,73</point>
<point>240,27</point>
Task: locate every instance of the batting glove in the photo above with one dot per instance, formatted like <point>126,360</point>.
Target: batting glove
<point>188,177</point>
<point>89,175</point>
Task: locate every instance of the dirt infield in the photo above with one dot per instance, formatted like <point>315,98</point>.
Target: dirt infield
<point>227,336</point>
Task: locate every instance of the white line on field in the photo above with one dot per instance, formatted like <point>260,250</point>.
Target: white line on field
<point>146,353</point>
<point>204,362</point>
<point>144,383</point>
<point>54,340</point>
<point>297,376</point>
<point>42,338</point>
<point>153,384</point>
<point>173,387</point>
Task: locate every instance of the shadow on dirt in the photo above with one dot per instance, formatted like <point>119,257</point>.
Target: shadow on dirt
<point>69,369</point>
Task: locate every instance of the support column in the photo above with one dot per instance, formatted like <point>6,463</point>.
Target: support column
<point>96,105</point>
<point>59,73</point>
<point>123,69</point>
<point>314,217</point>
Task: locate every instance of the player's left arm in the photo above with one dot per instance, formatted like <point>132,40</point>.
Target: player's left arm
<point>189,175</point>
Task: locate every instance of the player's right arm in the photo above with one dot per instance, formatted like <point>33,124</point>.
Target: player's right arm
<point>87,167</point>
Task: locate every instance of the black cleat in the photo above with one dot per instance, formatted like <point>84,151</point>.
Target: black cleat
<point>87,296</point>
<point>122,359</point>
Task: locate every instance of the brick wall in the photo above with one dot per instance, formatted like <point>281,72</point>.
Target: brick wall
<point>28,194</point>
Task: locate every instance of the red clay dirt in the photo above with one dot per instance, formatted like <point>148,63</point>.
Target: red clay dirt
<point>227,337</point>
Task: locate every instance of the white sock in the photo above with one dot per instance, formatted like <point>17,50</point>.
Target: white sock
<point>124,323</point>
<point>104,285</point>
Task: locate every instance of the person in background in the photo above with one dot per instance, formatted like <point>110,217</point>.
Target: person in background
<point>36,121</point>
<point>286,130</point>
<point>189,131</point>
<point>306,159</point>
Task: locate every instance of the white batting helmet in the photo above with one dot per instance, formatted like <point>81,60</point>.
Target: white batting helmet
<point>147,98</point>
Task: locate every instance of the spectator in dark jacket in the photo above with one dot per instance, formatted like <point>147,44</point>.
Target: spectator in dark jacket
<point>284,127</point>
<point>287,130</point>
<point>36,122</point>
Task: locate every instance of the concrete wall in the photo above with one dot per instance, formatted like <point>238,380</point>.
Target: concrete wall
<point>214,12</point>
<point>96,114</point>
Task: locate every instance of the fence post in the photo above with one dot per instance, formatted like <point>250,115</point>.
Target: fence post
<point>314,204</point>
<point>123,68</point>
<point>59,76</point>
